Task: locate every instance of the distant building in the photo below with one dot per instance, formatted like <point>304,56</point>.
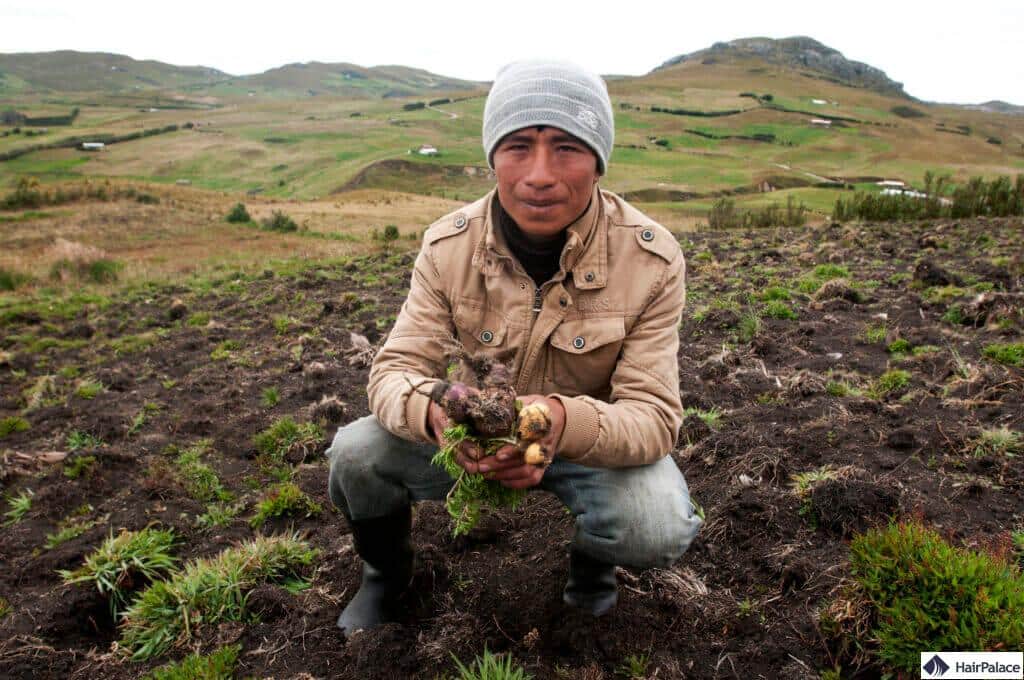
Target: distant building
<point>427,150</point>
<point>891,183</point>
<point>903,192</point>
<point>823,122</point>
<point>819,102</point>
<point>93,146</point>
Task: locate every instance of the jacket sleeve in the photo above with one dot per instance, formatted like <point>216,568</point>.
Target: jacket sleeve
<point>412,355</point>
<point>640,422</point>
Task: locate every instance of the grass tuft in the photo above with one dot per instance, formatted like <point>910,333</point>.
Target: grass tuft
<point>17,507</point>
<point>285,437</point>
<point>1009,354</point>
<point>13,424</point>
<point>928,594</point>
<point>220,665</point>
<point>776,309</point>
<point>1000,441</point>
<point>208,592</point>
<point>124,562</point>
<point>491,667</point>
<point>285,499</point>
<point>889,382</point>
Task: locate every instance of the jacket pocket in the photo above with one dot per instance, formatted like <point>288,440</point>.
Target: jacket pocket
<point>584,353</point>
<point>481,330</point>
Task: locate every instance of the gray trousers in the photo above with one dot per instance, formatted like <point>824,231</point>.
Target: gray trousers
<point>638,516</point>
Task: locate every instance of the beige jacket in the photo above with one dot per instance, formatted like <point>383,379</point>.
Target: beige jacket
<point>601,336</point>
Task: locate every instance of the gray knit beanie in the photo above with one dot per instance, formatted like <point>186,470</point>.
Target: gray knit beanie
<point>556,93</point>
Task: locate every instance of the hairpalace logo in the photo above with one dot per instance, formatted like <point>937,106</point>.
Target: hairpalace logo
<point>987,665</point>
<point>936,667</point>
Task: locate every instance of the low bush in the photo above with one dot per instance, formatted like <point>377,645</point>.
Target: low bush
<point>724,215</point>
<point>927,594</point>
<point>11,280</point>
<point>278,221</point>
<point>238,214</point>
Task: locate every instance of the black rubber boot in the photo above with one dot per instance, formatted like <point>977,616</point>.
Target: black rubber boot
<point>591,587</point>
<point>384,545</point>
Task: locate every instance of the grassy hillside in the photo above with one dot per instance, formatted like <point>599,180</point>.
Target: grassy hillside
<point>303,147</point>
<point>71,71</point>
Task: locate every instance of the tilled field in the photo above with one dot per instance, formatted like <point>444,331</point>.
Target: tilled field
<point>835,378</point>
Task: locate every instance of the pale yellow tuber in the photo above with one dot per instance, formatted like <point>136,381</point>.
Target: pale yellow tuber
<point>534,422</point>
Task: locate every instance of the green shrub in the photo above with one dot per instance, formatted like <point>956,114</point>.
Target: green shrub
<point>278,221</point>
<point>776,309</point>
<point>927,594</point>
<point>12,280</point>
<point>749,327</point>
<point>12,424</point>
<point>283,500</point>
<point>238,214</point>
<point>286,436</point>
<point>224,349</point>
<point>1010,354</point>
<point>102,270</point>
<point>212,590</point>
<point>220,665</point>
<point>124,562</point>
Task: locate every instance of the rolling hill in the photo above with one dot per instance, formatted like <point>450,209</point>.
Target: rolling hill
<point>756,119</point>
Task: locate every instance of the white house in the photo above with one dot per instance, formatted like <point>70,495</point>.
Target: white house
<point>427,150</point>
<point>92,146</point>
<point>823,122</point>
<point>819,102</point>
<point>891,183</point>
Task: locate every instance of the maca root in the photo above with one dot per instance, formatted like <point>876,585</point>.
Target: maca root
<point>489,415</point>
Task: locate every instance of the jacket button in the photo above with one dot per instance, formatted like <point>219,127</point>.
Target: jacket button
<point>578,342</point>
<point>647,235</point>
<point>486,336</point>
<point>589,276</point>
<point>460,222</point>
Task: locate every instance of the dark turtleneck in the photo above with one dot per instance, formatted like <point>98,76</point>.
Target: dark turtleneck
<point>539,259</point>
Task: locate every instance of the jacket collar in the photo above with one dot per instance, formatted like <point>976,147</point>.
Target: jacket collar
<point>585,254</point>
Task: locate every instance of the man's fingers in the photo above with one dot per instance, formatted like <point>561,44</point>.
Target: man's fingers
<point>512,473</point>
<point>507,452</point>
<point>523,483</point>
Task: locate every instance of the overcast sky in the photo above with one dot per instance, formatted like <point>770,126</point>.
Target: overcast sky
<point>962,52</point>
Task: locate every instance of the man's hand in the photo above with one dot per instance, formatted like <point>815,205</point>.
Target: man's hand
<point>507,465</point>
<point>468,452</point>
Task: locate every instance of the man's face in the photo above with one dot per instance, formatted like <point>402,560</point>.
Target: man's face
<point>545,178</point>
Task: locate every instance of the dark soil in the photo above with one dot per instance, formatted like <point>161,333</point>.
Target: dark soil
<point>743,602</point>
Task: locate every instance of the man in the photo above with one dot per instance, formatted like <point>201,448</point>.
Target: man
<point>582,295</point>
